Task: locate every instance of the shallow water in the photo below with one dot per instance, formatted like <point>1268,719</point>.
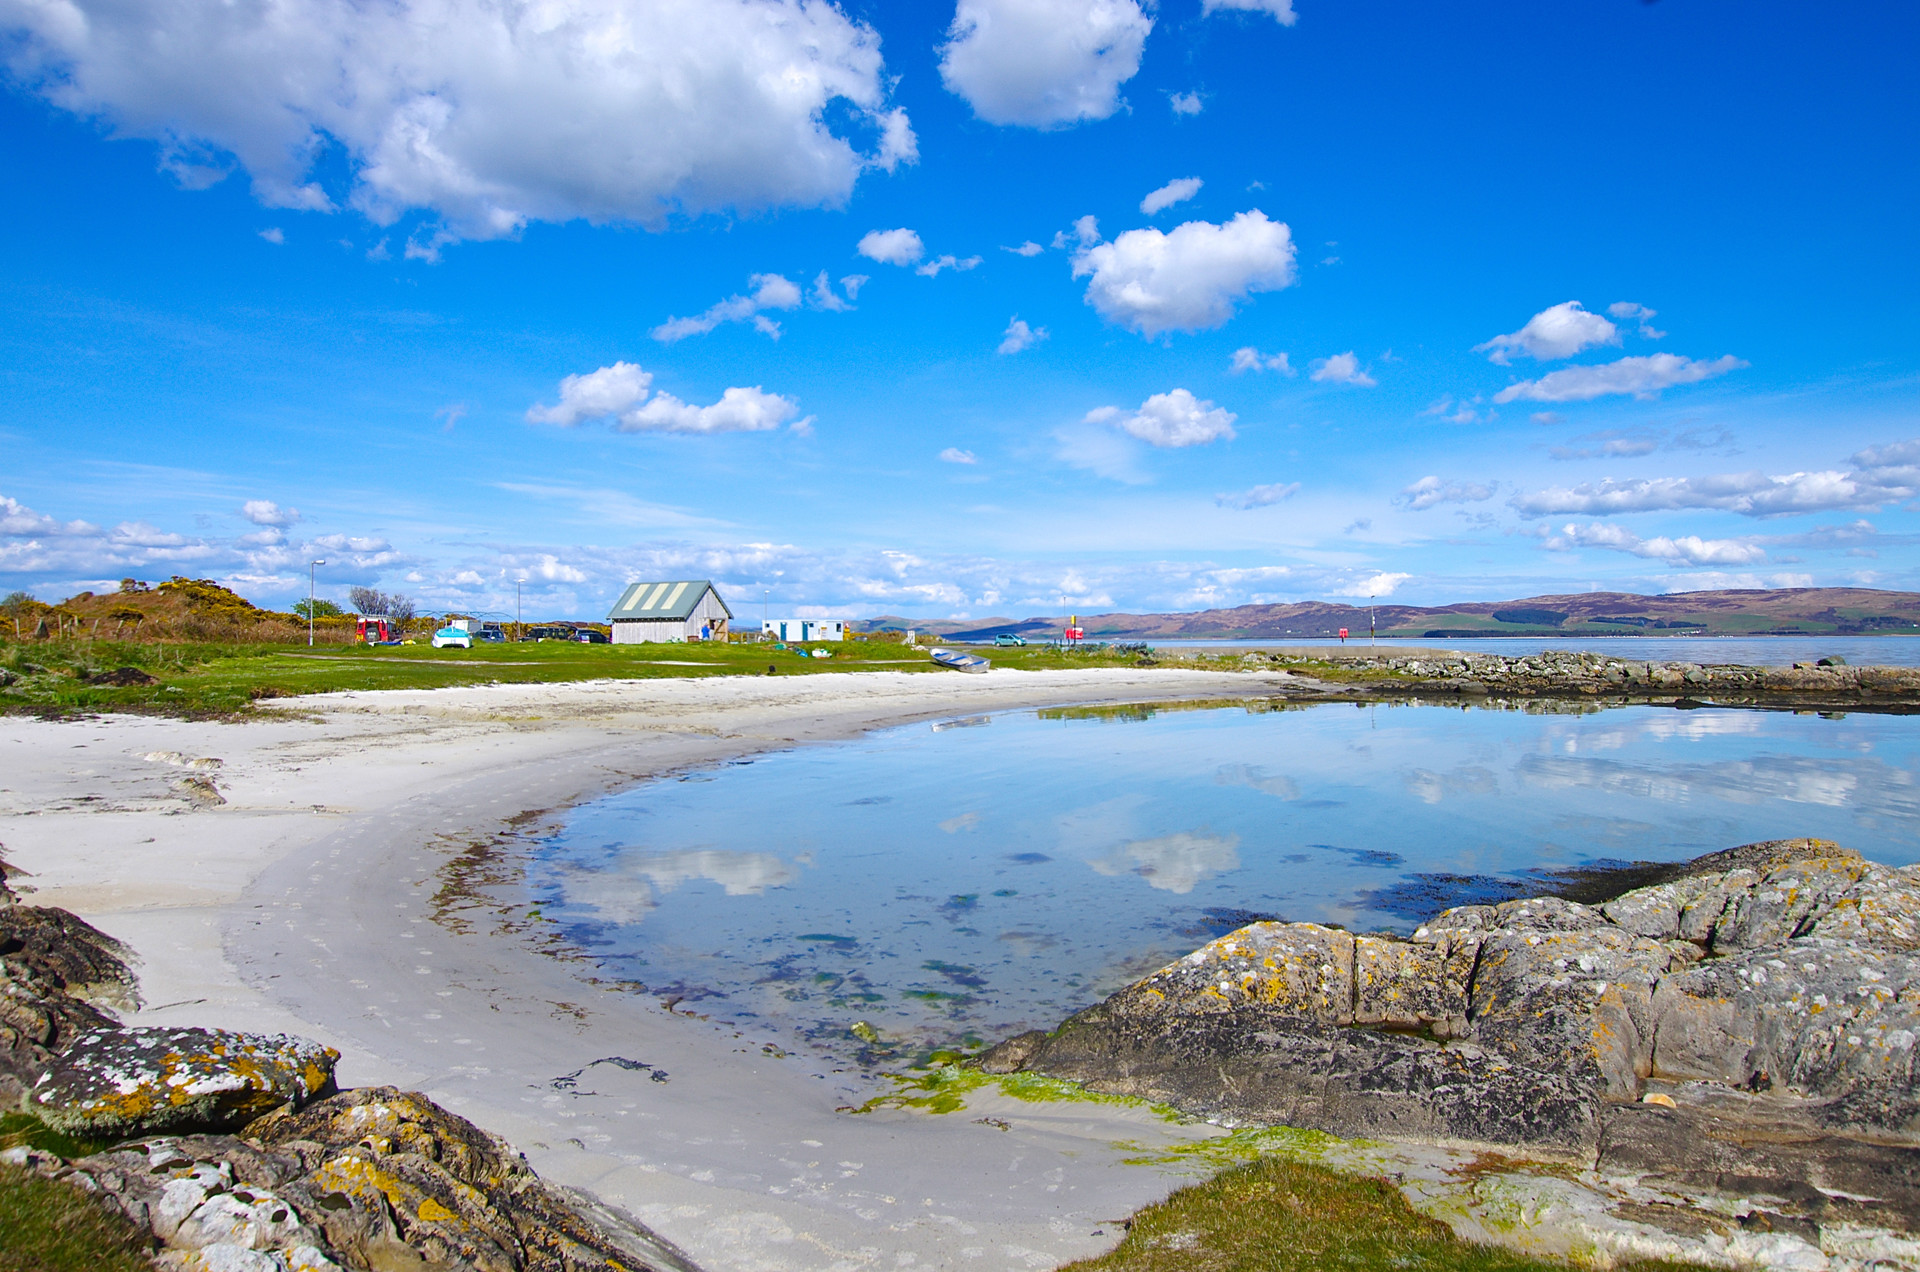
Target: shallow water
<point>1751,651</point>
<point>959,883</point>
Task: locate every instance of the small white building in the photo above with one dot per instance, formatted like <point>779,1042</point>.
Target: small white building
<point>677,609</point>
<point>803,629</point>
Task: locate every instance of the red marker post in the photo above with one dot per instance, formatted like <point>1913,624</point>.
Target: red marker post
<point>1343,635</point>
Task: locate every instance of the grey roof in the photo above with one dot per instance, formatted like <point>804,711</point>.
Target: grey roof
<point>673,598</point>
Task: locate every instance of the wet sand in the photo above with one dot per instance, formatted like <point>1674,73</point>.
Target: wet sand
<point>307,902</point>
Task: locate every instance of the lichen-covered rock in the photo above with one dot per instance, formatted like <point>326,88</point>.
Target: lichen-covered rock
<point>1789,968</point>
<point>117,1083</point>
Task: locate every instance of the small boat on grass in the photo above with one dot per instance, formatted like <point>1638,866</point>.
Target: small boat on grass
<point>960,660</point>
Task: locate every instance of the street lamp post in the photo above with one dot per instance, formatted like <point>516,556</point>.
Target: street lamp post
<point>519,626</point>
<point>311,567</point>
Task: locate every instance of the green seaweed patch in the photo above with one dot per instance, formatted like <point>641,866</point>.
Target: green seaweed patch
<point>1249,1144</point>
<point>944,1088</point>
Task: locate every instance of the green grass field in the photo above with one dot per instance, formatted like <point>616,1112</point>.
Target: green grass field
<point>63,677</point>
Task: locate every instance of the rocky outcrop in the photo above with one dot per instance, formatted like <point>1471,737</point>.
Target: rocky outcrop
<point>57,973</point>
<point>111,1083</point>
<point>1769,995</point>
<point>375,1179</point>
<point>1567,673</point>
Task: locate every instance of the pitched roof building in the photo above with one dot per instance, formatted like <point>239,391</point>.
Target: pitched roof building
<point>677,609</point>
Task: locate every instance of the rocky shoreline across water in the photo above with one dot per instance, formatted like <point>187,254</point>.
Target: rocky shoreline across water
<point>1820,684</point>
<point>1732,1047</point>
<point>235,1152</point>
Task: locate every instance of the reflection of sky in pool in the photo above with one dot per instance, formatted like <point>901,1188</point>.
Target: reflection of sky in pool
<point>960,882</point>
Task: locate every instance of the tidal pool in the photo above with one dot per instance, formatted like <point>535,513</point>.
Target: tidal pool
<point>947,885</point>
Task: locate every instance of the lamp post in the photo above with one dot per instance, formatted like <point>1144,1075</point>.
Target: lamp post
<point>519,627</point>
<point>311,567</point>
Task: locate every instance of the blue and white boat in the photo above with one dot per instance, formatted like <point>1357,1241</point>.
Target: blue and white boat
<point>960,660</point>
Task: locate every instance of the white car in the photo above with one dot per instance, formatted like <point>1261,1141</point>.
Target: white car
<point>453,638</point>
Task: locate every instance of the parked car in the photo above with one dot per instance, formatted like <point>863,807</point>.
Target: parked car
<point>453,638</point>
<point>1009,639</point>
<point>587,636</point>
<point>490,636</point>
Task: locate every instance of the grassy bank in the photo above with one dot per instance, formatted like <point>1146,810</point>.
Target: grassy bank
<point>198,679</point>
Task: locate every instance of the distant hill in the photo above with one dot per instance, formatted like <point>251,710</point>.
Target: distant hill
<point>1805,611</point>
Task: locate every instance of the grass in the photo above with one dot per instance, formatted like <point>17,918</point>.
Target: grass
<point>1276,1215</point>
<point>208,679</point>
<point>24,1130</point>
<point>48,1226</point>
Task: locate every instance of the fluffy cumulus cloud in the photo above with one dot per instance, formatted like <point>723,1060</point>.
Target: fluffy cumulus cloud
<point>265,512</point>
<point>770,291</point>
<point>1043,63</point>
<point>1686,550</point>
<point>1189,278</point>
<point>1373,586</point>
<point>1281,10</point>
<point>1176,191</point>
<point>1186,103</point>
<point>892,247</point>
<point>1643,377</point>
<point>1552,334</point>
<point>1341,368</point>
<point>1170,420</point>
<point>1019,335</point>
<point>620,393</point>
<point>1259,496</point>
<point>1430,492</point>
<point>483,115</point>
<point>948,261</point>
<point>1880,475</point>
<point>1251,359</point>
<point>1631,311</point>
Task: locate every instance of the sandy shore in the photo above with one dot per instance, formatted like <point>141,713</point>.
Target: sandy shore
<point>305,903</point>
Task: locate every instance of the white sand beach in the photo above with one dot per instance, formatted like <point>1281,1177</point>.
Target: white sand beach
<point>306,902</point>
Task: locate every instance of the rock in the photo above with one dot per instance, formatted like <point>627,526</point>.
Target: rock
<point>1786,974</point>
<point>115,1083</point>
<point>123,677</point>
<point>54,969</point>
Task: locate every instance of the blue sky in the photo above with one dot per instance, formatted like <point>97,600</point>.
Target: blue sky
<point>1011,308</point>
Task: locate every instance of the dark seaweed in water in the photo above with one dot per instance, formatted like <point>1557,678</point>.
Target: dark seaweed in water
<point>1218,920</point>
<point>1364,856</point>
<point>1421,896</point>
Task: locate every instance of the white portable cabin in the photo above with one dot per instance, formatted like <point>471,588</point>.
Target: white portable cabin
<point>677,609</point>
<point>803,629</point>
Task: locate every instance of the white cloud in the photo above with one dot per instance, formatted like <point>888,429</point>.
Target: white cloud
<point>933,267</point>
<point>892,247</point>
<point>1251,359</point>
<point>1084,232</point>
<point>1751,494</point>
<point>822,296</point>
<point>1090,445</point>
<point>1173,863</point>
<point>1189,278</point>
<point>484,115</point>
<point>1640,376</point>
<point>265,512</point>
<point>620,392</point>
<point>770,291</point>
<point>1020,336</point>
<point>1028,248</point>
<point>1686,550</point>
<point>737,411</point>
<point>1341,368</point>
<point>608,391</point>
<point>954,455</point>
<point>1551,334</point>
<point>1628,311</point>
<point>1043,63</point>
<point>1186,103</point>
<point>1170,420</point>
<point>1429,492</point>
<point>1176,191</point>
<point>1259,496</point>
<point>274,235</point>
<point>1374,585</point>
<point>1282,10</point>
